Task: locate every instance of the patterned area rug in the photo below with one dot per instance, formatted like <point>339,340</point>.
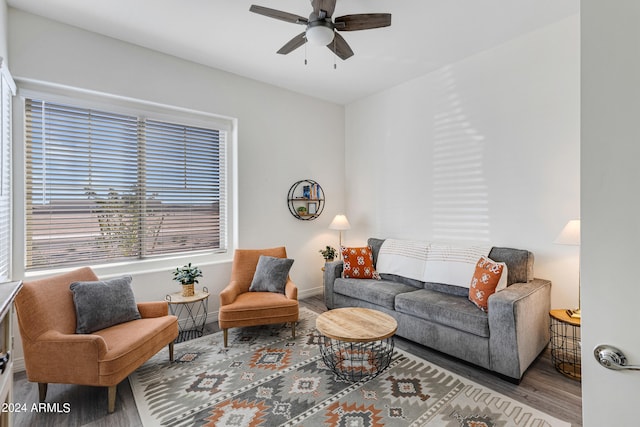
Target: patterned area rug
<point>264,378</point>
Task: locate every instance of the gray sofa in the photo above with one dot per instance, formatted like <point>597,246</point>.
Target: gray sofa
<point>506,340</point>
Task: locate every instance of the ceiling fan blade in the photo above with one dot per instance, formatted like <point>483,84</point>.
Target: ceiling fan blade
<point>293,44</point>
<point>363,21</point>
<point>327,5</point>
<point>340,47</point>
<point>278,14</point>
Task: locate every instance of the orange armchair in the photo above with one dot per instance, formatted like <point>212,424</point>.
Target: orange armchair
<point>54,353</point>
<point>240,308</point>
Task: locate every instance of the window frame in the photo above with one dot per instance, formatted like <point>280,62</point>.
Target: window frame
<point>129,106</point>
<point>7,92</point>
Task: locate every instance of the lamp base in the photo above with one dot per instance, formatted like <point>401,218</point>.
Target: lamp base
<point>574,314</point>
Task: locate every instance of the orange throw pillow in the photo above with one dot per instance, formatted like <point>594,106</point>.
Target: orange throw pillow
<point>358,263</point>
<point>484,282</point>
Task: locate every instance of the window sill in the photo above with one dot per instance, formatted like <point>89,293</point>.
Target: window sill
<point>147,266</point>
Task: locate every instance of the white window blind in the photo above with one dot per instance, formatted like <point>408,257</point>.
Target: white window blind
<point>105,187</point>
<point>7,90</point>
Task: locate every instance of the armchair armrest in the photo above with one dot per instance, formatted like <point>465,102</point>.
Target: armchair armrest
<point>230,293</point>
<point>153,309</point>
<point>291,290</point>
<point>332,271</point>
<point>518,326</point>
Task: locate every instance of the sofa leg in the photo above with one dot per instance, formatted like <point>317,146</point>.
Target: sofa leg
<point>42,391</point>
<point>171,351</point>
<point>112,398</point>
<point>293,330</point>
<point>225,334</point>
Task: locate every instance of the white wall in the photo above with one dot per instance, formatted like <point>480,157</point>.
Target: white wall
<point>278,138</point>
<point>486,149</point>
<point>610,205</point>
<point>3,30</point>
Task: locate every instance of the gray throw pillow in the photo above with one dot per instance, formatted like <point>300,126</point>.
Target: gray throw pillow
<point>271,274</point>
<point>104,303</point>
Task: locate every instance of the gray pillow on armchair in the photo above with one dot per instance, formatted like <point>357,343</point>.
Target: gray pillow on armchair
<point>271,274</point>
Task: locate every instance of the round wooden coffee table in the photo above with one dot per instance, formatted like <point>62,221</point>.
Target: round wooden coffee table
<point>356,343</point>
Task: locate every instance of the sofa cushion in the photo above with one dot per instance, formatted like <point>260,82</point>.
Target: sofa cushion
<point>451,310</point>
<point>452,264</point>
<point>378,292</point>
<point>103,303</point>
<point>375,245</point>
<point>519,263</point>
<point>447,289</point>
<point>401,279</point>
<point>406,258</point>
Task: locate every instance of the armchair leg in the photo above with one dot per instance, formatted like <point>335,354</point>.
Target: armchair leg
<point>42,391</point>
<point>171,351</point>
<point>225,334</point>
<point>112,398</point>
<point>293,330</point>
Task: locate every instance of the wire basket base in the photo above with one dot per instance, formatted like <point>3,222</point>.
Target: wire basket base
<point>356,361</point>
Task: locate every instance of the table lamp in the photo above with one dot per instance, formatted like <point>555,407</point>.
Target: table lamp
<point>340,223</point>
<point>570,235</point>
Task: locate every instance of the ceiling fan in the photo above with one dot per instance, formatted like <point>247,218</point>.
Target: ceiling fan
<point>321,29</point>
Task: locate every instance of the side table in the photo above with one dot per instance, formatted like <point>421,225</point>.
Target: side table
<point>565,344</point>
<point>191,312</point>
<point>356,343</point>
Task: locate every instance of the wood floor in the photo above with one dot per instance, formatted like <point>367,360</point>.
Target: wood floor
<point>542,388</point>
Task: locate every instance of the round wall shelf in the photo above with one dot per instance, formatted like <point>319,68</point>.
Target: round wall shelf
<point>305,200</point>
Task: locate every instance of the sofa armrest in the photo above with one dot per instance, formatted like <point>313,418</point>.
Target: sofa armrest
<point>55,338</point>
<point>47,358</point>
<point>153,309</point>
<point>518,326</point>
<point>332,271</point>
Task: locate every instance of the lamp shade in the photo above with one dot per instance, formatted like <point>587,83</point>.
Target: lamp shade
<point>570,234</point>
<point>340,222</point>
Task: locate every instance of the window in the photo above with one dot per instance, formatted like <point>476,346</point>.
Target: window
<point>106,187</point>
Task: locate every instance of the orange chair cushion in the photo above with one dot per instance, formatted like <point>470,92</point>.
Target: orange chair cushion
<point>258,308</point>
<point>130,344</point>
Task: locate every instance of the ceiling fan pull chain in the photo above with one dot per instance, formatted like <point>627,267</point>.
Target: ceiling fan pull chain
<point>335,67</point>
<point>305,54</point>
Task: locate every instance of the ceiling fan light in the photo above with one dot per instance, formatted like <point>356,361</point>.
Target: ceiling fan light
<point>320,35</point>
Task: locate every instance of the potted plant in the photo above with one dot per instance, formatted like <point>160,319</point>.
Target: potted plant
<point>187,276</point>
<point>329,253</point>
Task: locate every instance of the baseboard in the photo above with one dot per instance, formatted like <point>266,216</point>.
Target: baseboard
<point>18,365</point>
<point>310,292</point>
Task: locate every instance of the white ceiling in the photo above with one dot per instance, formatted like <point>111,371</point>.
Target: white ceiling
<point>425,35</point>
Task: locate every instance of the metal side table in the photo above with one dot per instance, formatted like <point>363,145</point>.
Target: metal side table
<point>565,344</point>
<point>191,312</point>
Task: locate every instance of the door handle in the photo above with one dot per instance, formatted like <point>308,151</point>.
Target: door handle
<point>612,358</point>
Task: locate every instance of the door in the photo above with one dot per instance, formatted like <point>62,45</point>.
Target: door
<point>610,206</point>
